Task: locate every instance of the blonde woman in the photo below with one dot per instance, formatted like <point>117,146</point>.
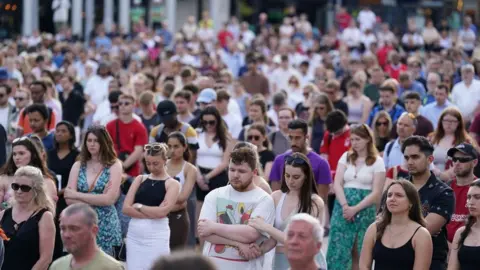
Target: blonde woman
<point>29,222</point>
<point>320,108</point>
<point>382,126</point>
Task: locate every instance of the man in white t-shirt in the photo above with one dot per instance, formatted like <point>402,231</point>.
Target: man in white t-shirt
<point>367,19</point>
<point>225,214</point>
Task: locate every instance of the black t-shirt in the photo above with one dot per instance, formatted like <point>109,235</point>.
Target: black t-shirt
<point>72,107</point>
<point>61,166</point>
<point>265,157</point>
<point>342,106</point>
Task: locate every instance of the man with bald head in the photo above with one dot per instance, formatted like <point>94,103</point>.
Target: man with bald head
<point>406,126</point>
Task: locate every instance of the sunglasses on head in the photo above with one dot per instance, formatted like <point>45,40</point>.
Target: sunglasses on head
<point>208,123</point>
<point>23,188</point>
<point>20,139</point>
<point>381,124</point>
<point>253,137</point>
<point>289,160</point>
<point>462,159</point>
<point>150,147</point>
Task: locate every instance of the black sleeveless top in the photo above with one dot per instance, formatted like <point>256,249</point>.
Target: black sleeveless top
<point>151,192</point>
<point>468,257</point>
<point>22,251</point>
<point>400,258</point>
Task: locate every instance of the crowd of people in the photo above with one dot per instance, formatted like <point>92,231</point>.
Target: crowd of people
<point>251,144</point>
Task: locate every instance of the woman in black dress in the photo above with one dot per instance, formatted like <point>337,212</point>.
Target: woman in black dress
<point>466,243</point>
<point>29,223</point>
<point>62,157</point>
<point>257,135</point>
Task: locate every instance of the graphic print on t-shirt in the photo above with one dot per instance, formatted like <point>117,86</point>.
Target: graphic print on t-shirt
<point>230,212</point>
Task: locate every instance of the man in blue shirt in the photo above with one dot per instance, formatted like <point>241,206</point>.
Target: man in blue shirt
<point>408,84</point>
<point>433,110</point>
<point>387,103</point>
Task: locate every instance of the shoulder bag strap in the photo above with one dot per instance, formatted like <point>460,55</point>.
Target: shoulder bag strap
<point>117,135</point>
<point>92,186</point>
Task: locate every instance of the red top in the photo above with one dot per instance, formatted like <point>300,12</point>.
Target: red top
<point>131,134</point>
<point>24,122</point>
<point>343,20</point>
<point>394,72</point>
<point>461,212</point>
<point>335,147</point>
<point>224,36</point>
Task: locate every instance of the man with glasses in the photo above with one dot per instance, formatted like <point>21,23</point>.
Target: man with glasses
<point>298,135</point>
<point>128,135</point>
<point>464,158</point>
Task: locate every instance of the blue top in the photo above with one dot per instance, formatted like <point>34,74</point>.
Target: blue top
<point>416,87</point>
<point>433,111</point>
<point>48,141</point>
<point>395,113</point>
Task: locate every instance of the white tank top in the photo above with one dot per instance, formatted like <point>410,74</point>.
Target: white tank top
<point>279,223</point>
<point>208,157</point>
<point>181,175</point>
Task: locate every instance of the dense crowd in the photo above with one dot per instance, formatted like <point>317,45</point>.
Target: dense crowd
<point>252,143</point>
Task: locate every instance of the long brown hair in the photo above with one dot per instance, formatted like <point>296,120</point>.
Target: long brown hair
<point>35,158</point>
<point>414,214</point>
<point>470,220</point>
<point>107,155</point>
<point>309,186</point>
<point>364,132</point>
<point>461,134</point>
<point>322,99</point>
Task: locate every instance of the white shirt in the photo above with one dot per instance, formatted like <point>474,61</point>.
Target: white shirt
<point>362,177</point>
<point>415,38</point>
<point>467,36</point>
<point>384,37</point>
<point>352,36</point>
<point>234,123</point>
<point>228,206</point>
<point>97,89</point>
<point>466,98</point>
<point>4,117</point>
<point>281,76</point>
<point>368,39</point>
<point>60,8</point>
<point>247,37</point>
<point>367,19</point>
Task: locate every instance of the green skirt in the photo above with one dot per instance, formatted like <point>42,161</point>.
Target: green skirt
<point>343,233</point>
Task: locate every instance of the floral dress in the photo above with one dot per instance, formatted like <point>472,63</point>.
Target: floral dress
<point>109,233</point>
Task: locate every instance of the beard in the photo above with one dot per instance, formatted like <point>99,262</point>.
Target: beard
<point>241,186</point>
<point>418,172</point>
<point>463,173</point>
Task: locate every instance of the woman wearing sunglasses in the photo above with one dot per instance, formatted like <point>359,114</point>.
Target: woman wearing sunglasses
<point>465,252</point>
<point>95,180</point>
<point>184,172</point>
<point>24,152</point>
<point>382,127</point>
<point>213,155</point>
<point>29,222</point>
<point>298,194</point>
<point>257,135</point>
<point>358,185</point>
<point>149,201</point>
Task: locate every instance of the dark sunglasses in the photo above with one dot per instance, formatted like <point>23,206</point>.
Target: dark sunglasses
<point>462,159</point>
<point>289,160</point>
<point>19,98</point>
<point>124,103</point>
<point>23,188</point>
<point>149,147</point>
<point>381,124</point>
<point>253,137</point>
<point>207,123</point>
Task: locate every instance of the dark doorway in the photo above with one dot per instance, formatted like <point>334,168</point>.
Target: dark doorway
<point>45,15</point>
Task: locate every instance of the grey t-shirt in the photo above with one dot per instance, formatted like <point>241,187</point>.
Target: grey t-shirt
<point>280,143</point>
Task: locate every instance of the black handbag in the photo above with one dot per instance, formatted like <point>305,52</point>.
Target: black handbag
<point>121,155</point>
<point>120,252</point>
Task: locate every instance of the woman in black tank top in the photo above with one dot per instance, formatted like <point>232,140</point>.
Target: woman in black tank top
<point>465,252</point>
<point>399,239</point>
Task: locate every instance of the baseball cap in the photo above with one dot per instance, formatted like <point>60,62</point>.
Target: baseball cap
<point>208,95</point>
<point>464,148</point>
<point>4,74</point>
<point>166,110</point>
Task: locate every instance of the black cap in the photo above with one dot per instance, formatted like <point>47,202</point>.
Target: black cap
<point>166,110</point>
<point>464,148</point>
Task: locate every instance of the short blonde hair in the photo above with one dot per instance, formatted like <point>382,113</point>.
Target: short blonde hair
<point>41,199</point>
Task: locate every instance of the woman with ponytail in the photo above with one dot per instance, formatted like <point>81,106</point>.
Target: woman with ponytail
<point>149,201</point>
<point>465,251</point>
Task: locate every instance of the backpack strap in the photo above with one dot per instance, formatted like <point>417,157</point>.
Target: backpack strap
<point>159,132</point>
<point>274,135</point>
<point>389,148</point>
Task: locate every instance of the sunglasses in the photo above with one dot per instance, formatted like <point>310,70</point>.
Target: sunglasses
<point>23,188</point>
<point>209,123</point>
<point>19,98</point>
<point>20,139</point>
<point>150,147</point>
<point>381,124</point>
<point>462,159</point>
<point>289,160</point>
<point>253,137</point>
<point>124,103</point>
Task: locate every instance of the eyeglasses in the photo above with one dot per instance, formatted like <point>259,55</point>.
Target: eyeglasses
<point>446,121</point>
<point>23,188</point>
<point>19,98</point>
<point>253,137</point>
<point>381,124</point>
<point>462,159</point>
<point>289,160</point>
<point>208,122</point>
<point>124,103</point>
<point>150,147</point>
<point>20,139</point>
